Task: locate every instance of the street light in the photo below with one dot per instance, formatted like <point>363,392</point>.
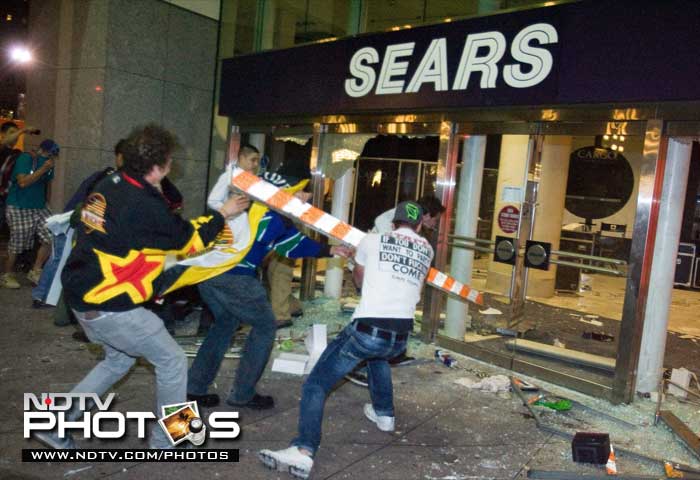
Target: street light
<point>20,55</point>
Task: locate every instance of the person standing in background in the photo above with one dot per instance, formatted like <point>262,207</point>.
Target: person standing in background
<point>27,212</point>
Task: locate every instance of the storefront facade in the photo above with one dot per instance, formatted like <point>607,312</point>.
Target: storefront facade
<point>557,131</point>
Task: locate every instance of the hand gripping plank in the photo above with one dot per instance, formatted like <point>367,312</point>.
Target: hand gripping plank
<point>328,225</point>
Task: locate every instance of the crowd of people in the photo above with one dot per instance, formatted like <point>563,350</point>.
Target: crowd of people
<point>122,226</point>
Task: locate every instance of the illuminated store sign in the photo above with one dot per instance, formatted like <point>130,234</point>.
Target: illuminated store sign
<point>481,54</point>
<point>566,54</point>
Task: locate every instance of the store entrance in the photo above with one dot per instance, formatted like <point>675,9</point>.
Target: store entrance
<point>543,218</point>
<point>543,225</point>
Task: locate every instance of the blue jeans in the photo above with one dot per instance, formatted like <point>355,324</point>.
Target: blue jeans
<point>234,299</point>
<point>343,354</point>
<point>125,336</point>
<point>50,268</point>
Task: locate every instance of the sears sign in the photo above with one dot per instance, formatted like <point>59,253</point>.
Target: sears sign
<point>565,54</point>
<point>482,54</point>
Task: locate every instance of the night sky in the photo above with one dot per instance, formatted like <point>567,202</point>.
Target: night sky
<point>13,31</point>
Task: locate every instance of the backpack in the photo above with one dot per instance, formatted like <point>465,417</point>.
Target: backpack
<point>8,164</point>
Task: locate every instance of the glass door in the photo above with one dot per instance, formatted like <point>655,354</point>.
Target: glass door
<point>577,252</point>
<point>491,175</point>
<point>550,222</point>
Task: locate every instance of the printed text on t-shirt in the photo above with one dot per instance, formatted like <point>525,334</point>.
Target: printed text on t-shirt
<point>405,258</point>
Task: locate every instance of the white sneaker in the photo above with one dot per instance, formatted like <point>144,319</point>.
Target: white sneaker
<point>289,460</point>
<point>7,280</point>
<point>34,275</point>
<point>384,423</point>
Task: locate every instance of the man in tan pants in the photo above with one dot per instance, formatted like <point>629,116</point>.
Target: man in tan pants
<point>280,272</point>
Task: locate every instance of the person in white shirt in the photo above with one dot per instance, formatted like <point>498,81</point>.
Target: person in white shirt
<point>391,269</point>
<point>432,209</point>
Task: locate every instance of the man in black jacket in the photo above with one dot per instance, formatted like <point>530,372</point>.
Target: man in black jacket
<point>125,233</point>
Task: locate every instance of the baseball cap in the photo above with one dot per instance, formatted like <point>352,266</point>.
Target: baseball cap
<point>50,147</point>
<point>408,212</point>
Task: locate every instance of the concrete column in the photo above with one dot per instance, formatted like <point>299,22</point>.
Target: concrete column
<point>357,19</point>
<point>466,222</point>
<point>551,196</point>
<point>651,355</point>
<point>92,84</point>
<point>342,196</point>
<point>286,26</point>
<point>266,35</point>
<point>511,173</point>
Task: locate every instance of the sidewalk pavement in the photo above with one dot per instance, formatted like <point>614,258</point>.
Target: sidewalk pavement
<point>443,430</point>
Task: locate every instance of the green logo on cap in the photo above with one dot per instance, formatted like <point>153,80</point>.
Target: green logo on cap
<point>412,211</point>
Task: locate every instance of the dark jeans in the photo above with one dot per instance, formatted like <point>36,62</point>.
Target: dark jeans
<point>234,299</point>
<point>343,354</point>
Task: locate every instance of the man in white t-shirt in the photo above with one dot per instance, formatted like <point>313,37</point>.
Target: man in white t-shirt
<point>391,269</point>
<point>384,223</point>
<point>432,209</point>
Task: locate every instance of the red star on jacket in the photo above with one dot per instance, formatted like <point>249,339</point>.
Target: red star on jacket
<point>133,275</point>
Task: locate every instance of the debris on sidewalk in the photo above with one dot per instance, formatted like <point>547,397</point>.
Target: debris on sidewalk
<point>491,311</point>
<point>681,430</point>
<point>445,358</point>
<point>681,377</point>
<point>558,404</point>
<point>507,332</point>
<point>564,475</point>
<point>494,384</point>
<point>588,447</point>
<point>291,363</point>
<point>599,336</point>
<point>286,345</point>
<point>590,319</point>
<point>349,306</point>
<point>675,470</point>
<point>191,350</point>
<point>315,341</point>
<point>525,386</point>
<point>77,470</point>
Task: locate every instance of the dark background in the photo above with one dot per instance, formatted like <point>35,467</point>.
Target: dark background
<point>13,31</point>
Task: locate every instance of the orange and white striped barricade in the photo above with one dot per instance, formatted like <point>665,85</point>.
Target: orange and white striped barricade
<point>329,226</point>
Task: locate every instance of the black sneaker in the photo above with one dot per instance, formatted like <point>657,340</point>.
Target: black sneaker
<point>39,304</point>
<point>206,400</point>
<point>258,402</point>
<point>357,378</point>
